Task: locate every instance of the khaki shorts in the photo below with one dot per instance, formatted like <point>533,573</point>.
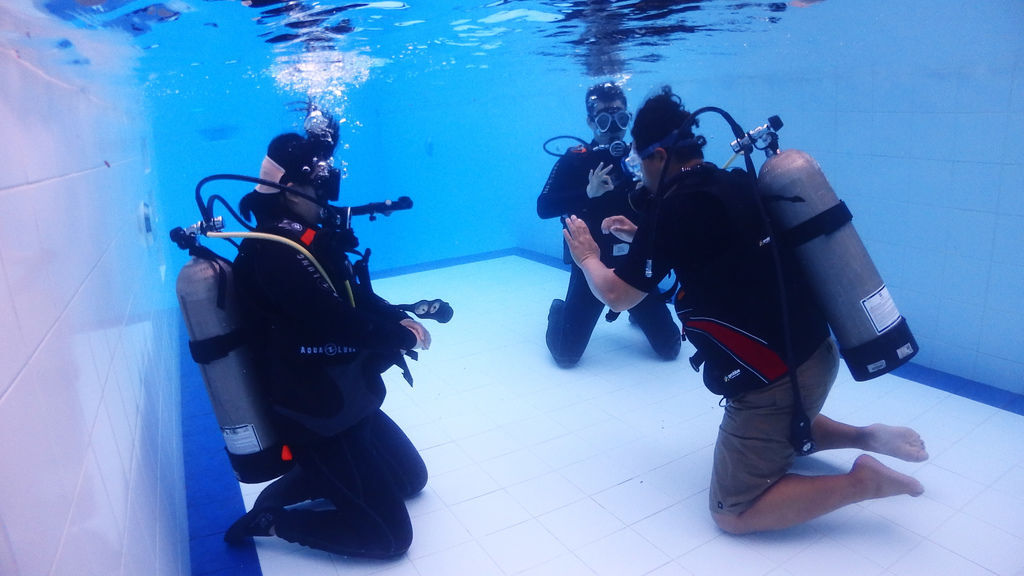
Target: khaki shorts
<point>753,449</point>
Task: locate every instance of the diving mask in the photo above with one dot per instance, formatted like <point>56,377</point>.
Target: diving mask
<point>605,120</point>
<point>631,165</point>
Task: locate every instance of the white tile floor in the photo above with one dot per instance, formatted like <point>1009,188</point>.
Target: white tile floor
<point>603,469</point>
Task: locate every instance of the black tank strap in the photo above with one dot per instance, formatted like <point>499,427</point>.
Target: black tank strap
<point>216,347</point>
<point>824,223</point>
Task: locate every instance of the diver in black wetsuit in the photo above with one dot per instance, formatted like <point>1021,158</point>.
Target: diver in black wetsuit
<point>322,338</point>
<point>587,181</point>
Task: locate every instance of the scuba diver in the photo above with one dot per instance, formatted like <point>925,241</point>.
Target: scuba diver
<point>760,331</point>
<point>292,341</point>
<point>588,181</point>
<point>322,353</point>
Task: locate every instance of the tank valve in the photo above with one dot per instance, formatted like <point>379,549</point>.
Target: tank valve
<point>763,137</point>
<point>215,224</point>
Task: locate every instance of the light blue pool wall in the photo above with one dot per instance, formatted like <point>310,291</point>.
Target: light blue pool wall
<point>913,124</point>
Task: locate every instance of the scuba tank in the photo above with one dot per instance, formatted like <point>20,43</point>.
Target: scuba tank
<point>206,297</point>
<point>873,337</point>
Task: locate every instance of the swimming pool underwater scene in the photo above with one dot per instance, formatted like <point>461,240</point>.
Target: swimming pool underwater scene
<point>127,119</point>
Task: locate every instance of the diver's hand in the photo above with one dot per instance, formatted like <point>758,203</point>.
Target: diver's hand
<point>600,182</point>
<point>620,227</point>
<point>581,243</point>
<point>421,332</point>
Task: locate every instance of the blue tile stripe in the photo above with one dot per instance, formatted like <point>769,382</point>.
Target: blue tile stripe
<point>977,391</point>
<point>434,265</point>
<point>997,397</point>
<point>213,498</point>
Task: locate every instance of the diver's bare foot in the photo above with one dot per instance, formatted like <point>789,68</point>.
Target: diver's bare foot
<point>881,481</point>
<point>896,441</point>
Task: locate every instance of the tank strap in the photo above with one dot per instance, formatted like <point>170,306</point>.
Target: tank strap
<point>826,222</point>
<point>214,348</point>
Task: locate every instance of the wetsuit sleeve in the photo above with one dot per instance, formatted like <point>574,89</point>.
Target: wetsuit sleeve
<point>292,287</point>
<point>565,191</point>
<point>633,267</point>
<point>379,306</point>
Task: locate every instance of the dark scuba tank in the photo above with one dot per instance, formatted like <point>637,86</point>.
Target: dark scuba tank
<point>806,214</point>
<point>206,297</point>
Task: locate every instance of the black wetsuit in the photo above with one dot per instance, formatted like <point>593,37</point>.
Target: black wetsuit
<point>323,357</point>
<point>707,228</point>
<point>571,322</point>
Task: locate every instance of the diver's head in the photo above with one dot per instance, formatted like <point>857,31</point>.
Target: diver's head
<point>663,137</point>
<point>606,112</point>
<point>292,161</point>
<point>303,162</point>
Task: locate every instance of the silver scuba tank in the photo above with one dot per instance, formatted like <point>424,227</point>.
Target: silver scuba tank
<point>873,336</point>
<point>206,298</point>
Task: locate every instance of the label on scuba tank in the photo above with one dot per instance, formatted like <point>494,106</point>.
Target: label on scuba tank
<point>881,310</point>
<point>241,439</point>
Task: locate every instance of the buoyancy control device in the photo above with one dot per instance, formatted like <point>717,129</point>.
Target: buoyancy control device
<point>206,297</point>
